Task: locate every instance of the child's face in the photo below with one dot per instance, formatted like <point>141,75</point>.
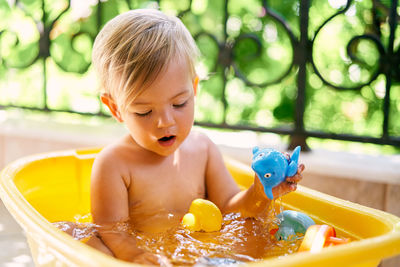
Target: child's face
<point>162,116</point>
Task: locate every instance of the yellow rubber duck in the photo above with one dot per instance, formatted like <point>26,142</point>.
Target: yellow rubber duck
<point>203,216</point>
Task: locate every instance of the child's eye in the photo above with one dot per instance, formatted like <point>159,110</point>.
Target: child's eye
<point>143,114</point>
<point>180,105</point>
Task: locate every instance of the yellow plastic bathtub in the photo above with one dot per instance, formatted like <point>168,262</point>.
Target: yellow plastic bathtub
<point>52,187</point>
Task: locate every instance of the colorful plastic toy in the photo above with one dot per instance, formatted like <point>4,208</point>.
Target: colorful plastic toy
<point>203,216</point>
<point>319,236</point>
<point>272,167</point>
<point>291,223</point>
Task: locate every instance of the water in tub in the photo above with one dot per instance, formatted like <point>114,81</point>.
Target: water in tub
<point>240,239</point>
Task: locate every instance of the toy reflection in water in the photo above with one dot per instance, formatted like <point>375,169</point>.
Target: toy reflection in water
<point>272,167</point>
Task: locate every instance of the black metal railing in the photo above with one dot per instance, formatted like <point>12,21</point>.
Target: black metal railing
<point>231,59</point>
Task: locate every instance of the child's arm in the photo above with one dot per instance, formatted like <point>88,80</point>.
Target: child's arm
<point>223,191</point>
<point>109,208</point>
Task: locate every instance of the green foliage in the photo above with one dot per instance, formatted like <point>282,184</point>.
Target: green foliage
<point>23,87</point>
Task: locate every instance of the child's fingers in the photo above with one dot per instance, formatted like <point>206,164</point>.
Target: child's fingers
<point>288,187</point>
<point>297,177</point>
<point>301,168</point>
<point>292,186</point>
<point>290,183</point>
<point>283,189</point>
<point>152,259</point>
<point>294,179</point>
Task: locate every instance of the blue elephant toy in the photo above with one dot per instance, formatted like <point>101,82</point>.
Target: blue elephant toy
<point>272,167</point>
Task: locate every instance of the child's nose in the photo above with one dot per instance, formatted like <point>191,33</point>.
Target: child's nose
<point>166,119</point>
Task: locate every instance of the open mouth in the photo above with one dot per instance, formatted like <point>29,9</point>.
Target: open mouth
<point>167,140</point>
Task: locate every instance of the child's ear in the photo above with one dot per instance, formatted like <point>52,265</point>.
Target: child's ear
<point>112,106</point>
<point>195,84</point>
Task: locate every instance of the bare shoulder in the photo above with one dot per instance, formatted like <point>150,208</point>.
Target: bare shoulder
<point>206,142</point>
<point>112,162</point>
<point>196,148</point>
<point>200,139</point>
<point>109,154</point>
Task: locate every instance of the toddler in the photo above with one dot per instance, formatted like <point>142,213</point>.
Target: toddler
<point>145,61</point>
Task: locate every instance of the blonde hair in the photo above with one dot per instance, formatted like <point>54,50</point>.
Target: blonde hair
<point>134,47</point>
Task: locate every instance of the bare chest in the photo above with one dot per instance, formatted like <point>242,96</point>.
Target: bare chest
<point>168,188</point>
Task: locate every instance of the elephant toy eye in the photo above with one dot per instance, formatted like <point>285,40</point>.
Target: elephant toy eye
<point>267,175</point>
<point>260,155</point>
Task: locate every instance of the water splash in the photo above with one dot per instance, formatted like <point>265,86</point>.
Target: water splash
<point>241,239</point>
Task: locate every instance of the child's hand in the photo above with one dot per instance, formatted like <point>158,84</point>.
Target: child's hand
<point>152,259</point>
<point>287,186</point>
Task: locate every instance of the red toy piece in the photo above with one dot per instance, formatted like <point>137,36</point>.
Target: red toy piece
<point>320,236</point>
